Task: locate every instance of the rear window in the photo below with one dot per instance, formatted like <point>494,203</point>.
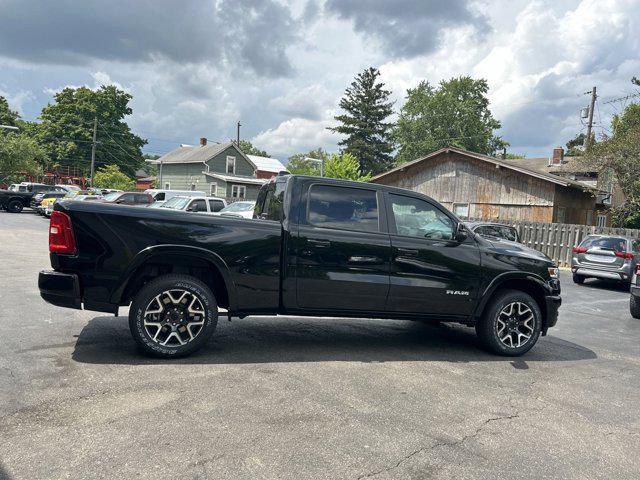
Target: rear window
<point>159,197</point>
<point>343,207</point>
<point>605,243</point>
<point>216,205</point>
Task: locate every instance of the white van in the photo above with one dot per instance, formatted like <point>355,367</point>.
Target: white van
<point>161,196</point>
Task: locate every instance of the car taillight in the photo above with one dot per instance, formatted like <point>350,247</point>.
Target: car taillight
<point>61,238</point>
<point>579,250</point>
<point>625,255</point>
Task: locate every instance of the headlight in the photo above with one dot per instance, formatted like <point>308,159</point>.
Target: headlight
<point>553,272</point>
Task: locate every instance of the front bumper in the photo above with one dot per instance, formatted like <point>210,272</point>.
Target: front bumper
<point>60,289</point>
<point>553,303</point>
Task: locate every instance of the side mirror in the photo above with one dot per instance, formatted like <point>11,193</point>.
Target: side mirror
<point>461,233</point>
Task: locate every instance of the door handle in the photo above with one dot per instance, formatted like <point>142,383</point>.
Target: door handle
<point>408,252</point>
<point>319,243</point>
<point>364,259</point>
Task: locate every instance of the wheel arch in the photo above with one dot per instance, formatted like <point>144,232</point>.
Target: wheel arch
<point>162,259</point>
<point>529,283</point>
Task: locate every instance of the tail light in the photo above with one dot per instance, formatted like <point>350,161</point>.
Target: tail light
<point>579,250</point>
<point>61,238</point>
<point>638,269</point>
<point>625,255</point>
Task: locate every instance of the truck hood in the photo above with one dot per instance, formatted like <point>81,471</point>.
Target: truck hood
<point>515,248</point>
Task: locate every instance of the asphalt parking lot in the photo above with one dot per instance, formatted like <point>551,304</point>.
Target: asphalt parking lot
<point>298,398</point>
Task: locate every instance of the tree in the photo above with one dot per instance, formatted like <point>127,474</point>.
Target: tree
<point>368,136</point>
<point>456,113</point>
<point>110,176</point>
<point>344,166</point>
<point>7,116</point>
<point>618,157</point>
<point>66,130</point>
<point>248,149</point>
<point>575,146</point>
<point>19,155</point>
<point>298,163</point>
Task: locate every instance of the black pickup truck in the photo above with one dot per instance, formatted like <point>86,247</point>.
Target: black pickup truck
<point>14,202</point>
<point>315,246</point>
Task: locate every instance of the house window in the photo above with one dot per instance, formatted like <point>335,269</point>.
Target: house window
<point>561,215</point>
<point>238,191</point>
<point>193,187</point>
<point>461,210</point>
<point>602,220</point>
<point>213,189</point>
<point>231,164</point>
<point>589,217</point>
<point>167,185</point>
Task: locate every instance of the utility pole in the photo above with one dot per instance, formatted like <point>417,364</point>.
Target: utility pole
<point>587,141</point>
<point>238,135</point>
<point>93,148</point>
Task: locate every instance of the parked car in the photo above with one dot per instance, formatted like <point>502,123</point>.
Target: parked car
<point>605,257</point>
<point>38,200</point>
<point>14,201</point>
<point>128,198</point>
<point>195,204</point>
<point>161,196</point>
<point>494,230</point>
<point>74,195</point>
<point>318,247</point>
<point>238,209</point>
<point>634,300</point>
<point>68,187</point>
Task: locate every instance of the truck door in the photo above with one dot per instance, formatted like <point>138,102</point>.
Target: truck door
<point>342,250</point>
<point>431,273</point>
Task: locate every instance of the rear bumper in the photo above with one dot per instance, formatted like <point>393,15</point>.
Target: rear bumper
<point>618,274</point>
<point>60,289</point>
<point>553,303</point>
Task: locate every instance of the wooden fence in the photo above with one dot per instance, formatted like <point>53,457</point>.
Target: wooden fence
<point>557,240</point>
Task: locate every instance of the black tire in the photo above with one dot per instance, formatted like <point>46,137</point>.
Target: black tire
<point>579,279</point>
<point>15,206</point>
<point>634,306</point>
<point>143,301</point>
<point>487,326</point>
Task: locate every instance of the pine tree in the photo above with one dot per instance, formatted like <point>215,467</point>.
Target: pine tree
<point>368,137</point>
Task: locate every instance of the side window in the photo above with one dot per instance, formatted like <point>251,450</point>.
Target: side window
<point>200,204</point>
<point>418,218</point>
<point>270,208</point>
<point>140,198</point>
<point>128,198</point>
<point>159,197</point>
<point>216,205</point>
<point>343,207</point>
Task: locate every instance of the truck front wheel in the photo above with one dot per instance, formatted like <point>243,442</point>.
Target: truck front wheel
<point>14,206</point>
<point>173,316</point>
<point>511,324</point>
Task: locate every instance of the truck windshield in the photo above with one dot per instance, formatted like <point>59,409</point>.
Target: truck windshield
<point>177,203</point>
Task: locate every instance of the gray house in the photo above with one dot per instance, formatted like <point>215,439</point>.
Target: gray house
<point>219,169</point>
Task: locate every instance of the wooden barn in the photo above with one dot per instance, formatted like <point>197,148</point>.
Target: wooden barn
<point>478,186</point>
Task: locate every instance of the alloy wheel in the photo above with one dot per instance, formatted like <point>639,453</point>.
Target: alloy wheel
<point>515,324</point>
<point>174,318</point>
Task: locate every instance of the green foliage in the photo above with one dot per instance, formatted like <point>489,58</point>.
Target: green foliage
<point>19,154</point>
<point>66,130</point>
<point>110,176</point>
<point>344,166</point>
<point>456,113</point>
<point>620,155</point>
<point>299,165</point>
<point>575,146</point>
<point>368,136</point>
<point>7,116</point>
<point>514,156</point>
<point>248,149</point>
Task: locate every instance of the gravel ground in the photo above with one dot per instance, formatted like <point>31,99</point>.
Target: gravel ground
<point>293,398</point>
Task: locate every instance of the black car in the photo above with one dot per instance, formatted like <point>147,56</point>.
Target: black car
<point>315,247</point>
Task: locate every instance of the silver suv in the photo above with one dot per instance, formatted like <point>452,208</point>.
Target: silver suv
<point>606,257</point>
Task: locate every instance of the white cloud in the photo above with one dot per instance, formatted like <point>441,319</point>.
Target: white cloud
<point>17,99</point>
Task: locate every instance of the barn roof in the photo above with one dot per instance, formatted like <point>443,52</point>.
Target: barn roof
<point>509,164</point>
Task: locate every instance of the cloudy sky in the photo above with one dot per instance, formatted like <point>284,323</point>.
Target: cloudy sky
<point>195,67</point>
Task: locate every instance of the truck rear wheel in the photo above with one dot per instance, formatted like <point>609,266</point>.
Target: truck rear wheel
<point>173,316</point>
<point>511,324</point>
<point>14,206</point>
<point>634,306</point>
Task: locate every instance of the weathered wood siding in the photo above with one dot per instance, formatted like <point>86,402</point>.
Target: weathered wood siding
<point>576,205</point>
<point>492,193</point>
